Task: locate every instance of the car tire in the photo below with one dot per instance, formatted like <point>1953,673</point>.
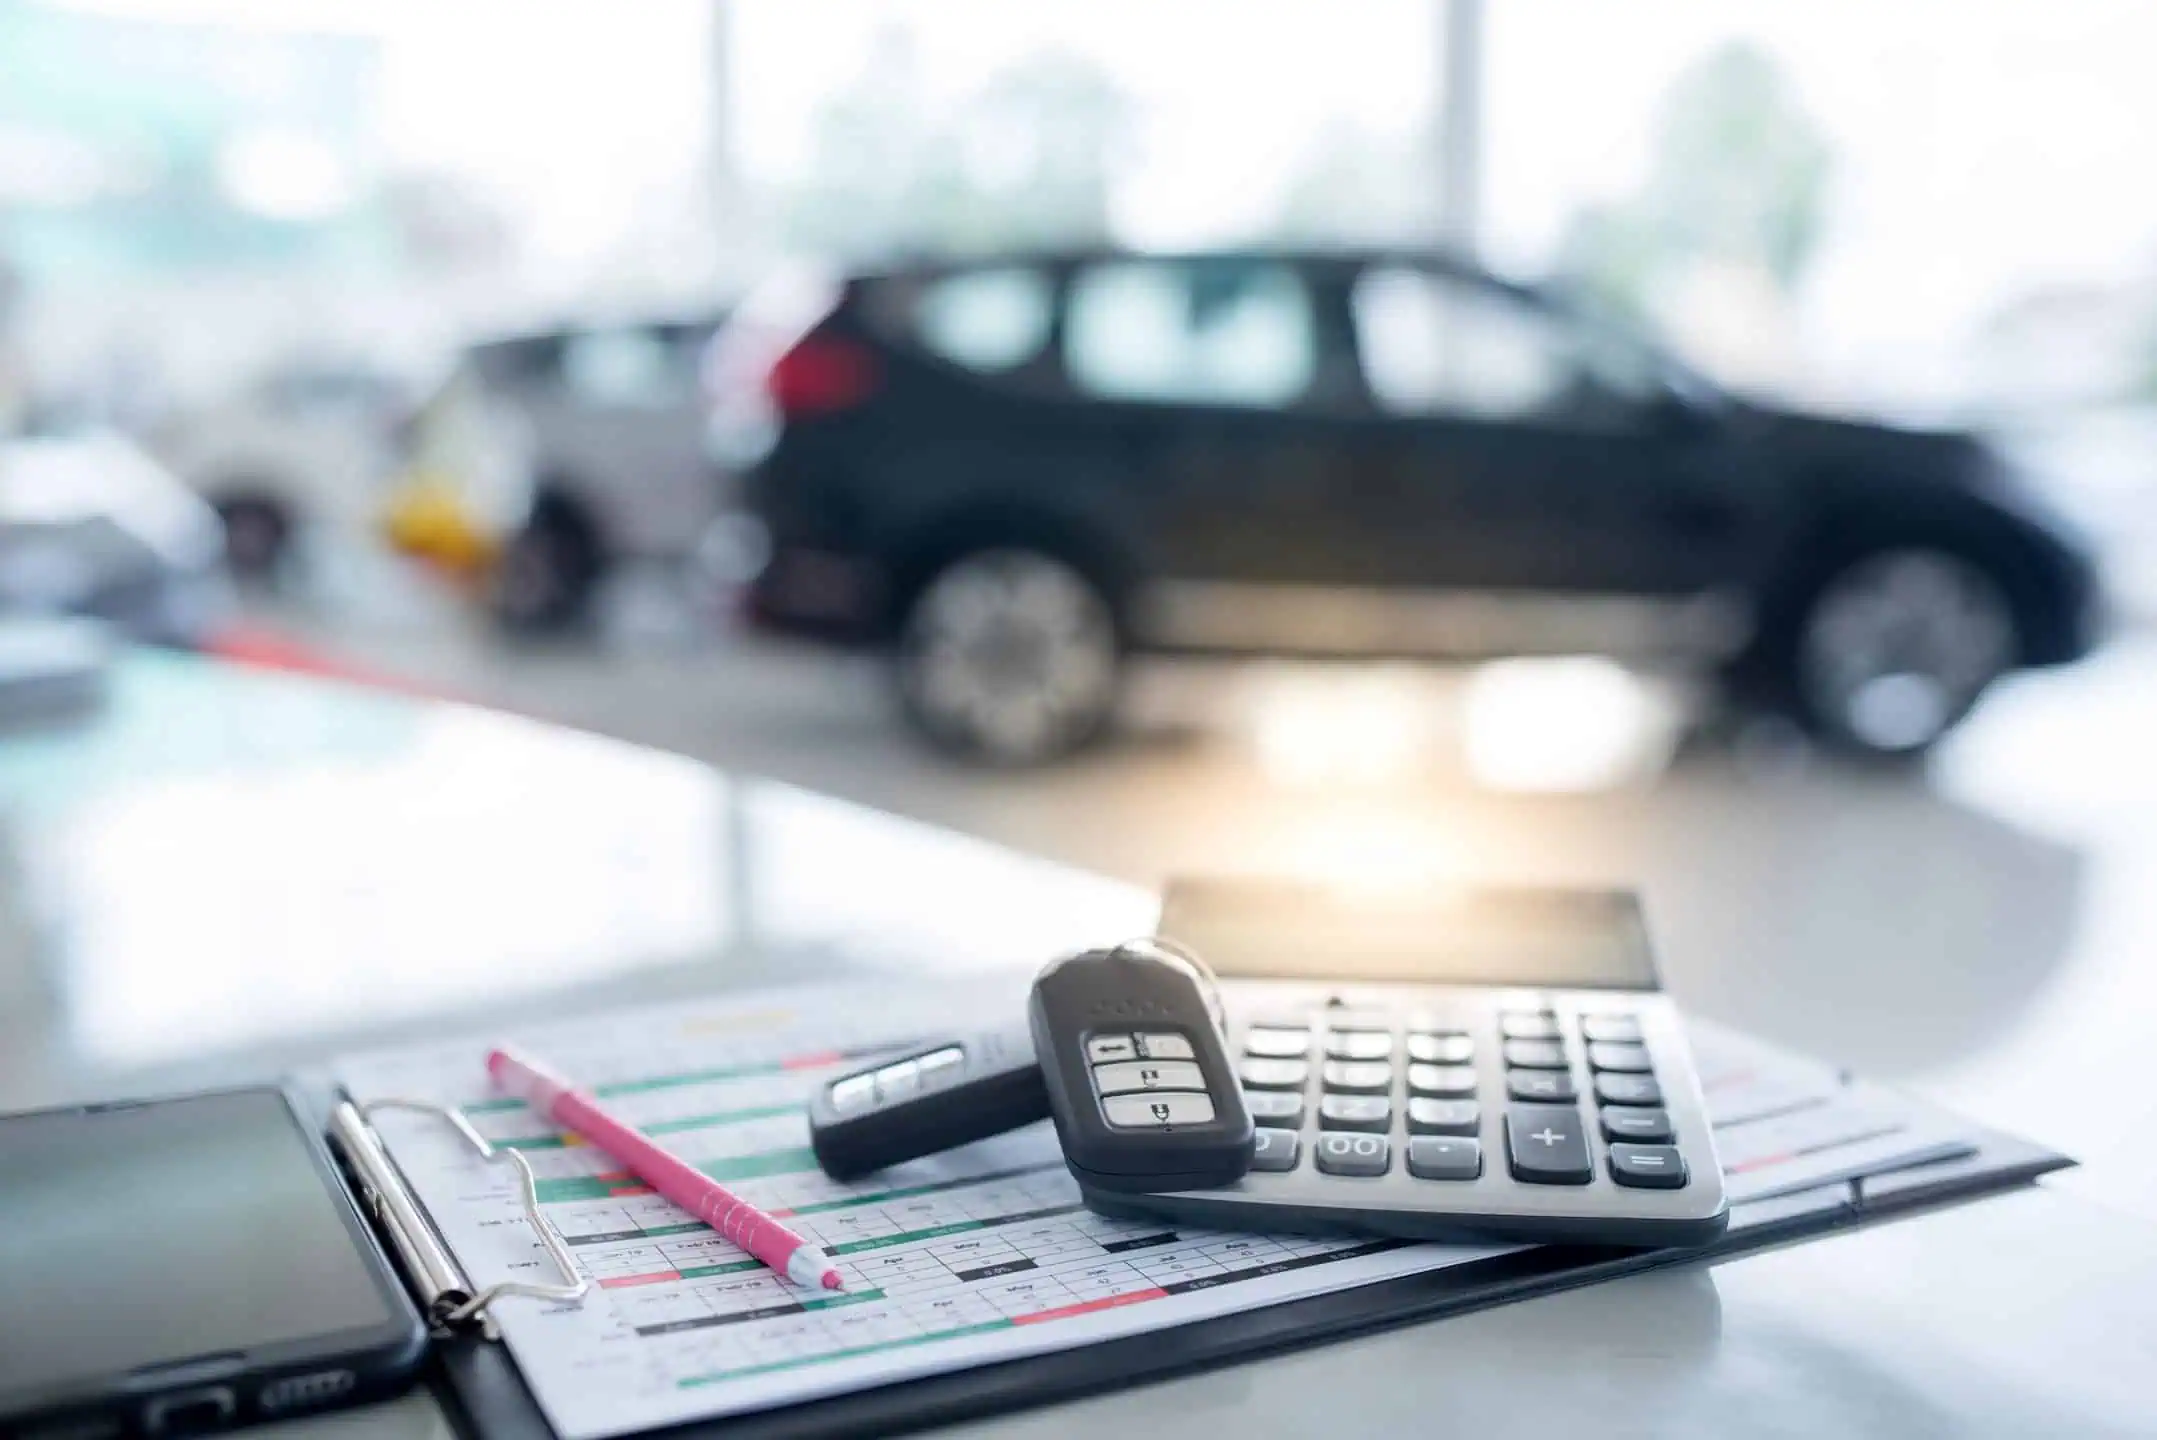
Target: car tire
<point>258,536</point>
<point>546,575</point>
<point>1892,648</point>
<point>1009,656</point>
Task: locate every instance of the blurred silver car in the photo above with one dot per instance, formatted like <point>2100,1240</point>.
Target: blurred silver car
<point>90,525</point>
<point>550,459</point>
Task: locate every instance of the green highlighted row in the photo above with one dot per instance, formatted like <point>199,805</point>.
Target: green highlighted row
<point>640,1087</point>
<point>880,1196</point>
<point>732,1267</point>
<point>733,1167</point>
<point>883,1242</point>
<point>847,1354</point>
<point>664,1127</point>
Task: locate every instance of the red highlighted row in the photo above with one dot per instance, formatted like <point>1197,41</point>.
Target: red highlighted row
<point>1108,1302</point>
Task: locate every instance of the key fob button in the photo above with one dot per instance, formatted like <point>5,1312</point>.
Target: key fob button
<point>1132,1075</point>
<point>853,1093</point>
<point>894,1082</point>
<point>1158,1111</point>
<point>1164,1045</point>
<point>1104,1048</point>
<point>938,1065</point>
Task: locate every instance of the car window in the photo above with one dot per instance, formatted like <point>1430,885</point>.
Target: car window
<point>989,321</point>
<point>1226,332</point>
<point>633,368</point>
<point>1431,344</point>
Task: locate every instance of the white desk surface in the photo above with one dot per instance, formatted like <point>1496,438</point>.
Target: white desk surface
<point>229,875</point>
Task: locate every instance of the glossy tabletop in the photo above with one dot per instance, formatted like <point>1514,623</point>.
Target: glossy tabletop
<point>227,874</point>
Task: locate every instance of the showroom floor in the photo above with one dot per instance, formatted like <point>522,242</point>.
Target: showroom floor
<point>1943,923</point>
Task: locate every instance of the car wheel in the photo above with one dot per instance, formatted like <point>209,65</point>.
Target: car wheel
<point>1010,656</point>
<point>546,574</point>
<point>257,535</point>
<point>1895,648</point>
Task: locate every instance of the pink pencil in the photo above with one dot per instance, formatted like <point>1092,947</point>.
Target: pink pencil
<point>696,1192</point>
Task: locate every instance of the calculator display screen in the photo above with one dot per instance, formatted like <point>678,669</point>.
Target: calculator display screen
<point>1560,939</point>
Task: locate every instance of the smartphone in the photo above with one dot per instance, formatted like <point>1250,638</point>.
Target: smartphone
<point>175,1266</point>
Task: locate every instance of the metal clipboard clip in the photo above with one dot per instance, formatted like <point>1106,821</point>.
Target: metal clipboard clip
<point>445,1292</point>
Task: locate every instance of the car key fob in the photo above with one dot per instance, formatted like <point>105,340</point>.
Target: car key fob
<point>932,1096</point>
<point>1139,1080</point>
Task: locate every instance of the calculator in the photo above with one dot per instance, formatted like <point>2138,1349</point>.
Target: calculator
<point>1446,1065</point>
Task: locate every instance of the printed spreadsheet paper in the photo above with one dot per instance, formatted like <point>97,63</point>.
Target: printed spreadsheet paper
<point>979,1255</point>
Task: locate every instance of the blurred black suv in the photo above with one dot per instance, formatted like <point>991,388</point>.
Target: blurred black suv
<point>1017,472</point>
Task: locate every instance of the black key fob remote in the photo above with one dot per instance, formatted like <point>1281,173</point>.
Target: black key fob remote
<point>925,1098</point>
<point>1139,1081</point>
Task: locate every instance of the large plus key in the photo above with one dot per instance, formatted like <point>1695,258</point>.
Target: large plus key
<point>1545,1145</point>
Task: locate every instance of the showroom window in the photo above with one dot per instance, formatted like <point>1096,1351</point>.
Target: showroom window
<point>989,321</point>
<point>1218,333</point>
<point>633,368</point>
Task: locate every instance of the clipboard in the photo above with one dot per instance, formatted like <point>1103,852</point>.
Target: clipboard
<point>481,1388</point>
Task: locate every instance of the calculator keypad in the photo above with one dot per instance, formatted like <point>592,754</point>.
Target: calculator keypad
<point>1274,1074</point>
<point>1545,1145</point>
<point>1444,1117</point>
<point>1441,1080</point>
<point>1273,1044</point>
<point>1637,1124</point>
<point>1363,1077</point>
<point>1540,1087</point>
<point>1628,1090</point>
<point>1432,1157</point>
<point>1344,1153</point>
<point>1535,1055</point>
<point>1648,1167</point>
<point>1277,1150</point>
<point>1339,1098</point>
<point>1275,1107</point>
<point>1441,1049</point>
<point>1356,1112</point>
<point>1611,1055</point>
<point>1360,1044</point>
